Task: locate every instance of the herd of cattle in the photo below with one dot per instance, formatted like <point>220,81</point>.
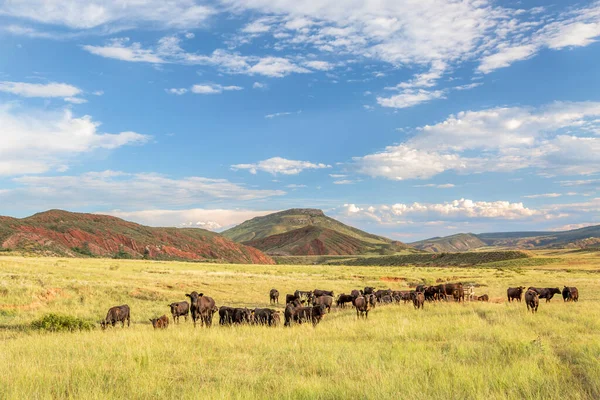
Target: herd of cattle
<point>311,306</point>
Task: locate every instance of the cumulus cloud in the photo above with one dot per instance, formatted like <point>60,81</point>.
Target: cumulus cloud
<point>213,88</point>
<point>279,165</point>
<point>554,140</point>
<point>410,97</point>
<point>35,141</point>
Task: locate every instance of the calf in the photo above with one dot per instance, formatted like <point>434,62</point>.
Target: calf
<point>274,296</point>
<point>324,300</point>
<point>179,309</point>
<point>418,299</point>
<point>343,299</point>
<point>161,322</point>
<point>570,294</point>
<point>532,299</point>
<point>545,293</point>
<point>514,293</point>
<point>484,297</point>
<point>117,314</point>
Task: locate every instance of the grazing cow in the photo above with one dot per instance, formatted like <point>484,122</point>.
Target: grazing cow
<point>202,308</point>
<point>319,293</point>
<point>274,296</point>
<point>514,293</point>
<point>483,297</point>
<point>324,300</point>
<point>363,306</point>
<point>369,290</point>
<point>226,315</point>
<point>290,298</point>
<point>545,293</point>
<point>242,316</point>
<point>418,299</point>
<point>532,299</point>
<point>343,299</point>
<point>160,323</point>
<point>317,314</point>
<point>570,293</point>
<point>266,316</point>
<point>179,309</point>
<point>387,299</point>
<point>380,293</point>
<point>117,314</point>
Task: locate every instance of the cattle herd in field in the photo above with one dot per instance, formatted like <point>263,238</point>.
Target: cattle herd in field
<point>311,306</point>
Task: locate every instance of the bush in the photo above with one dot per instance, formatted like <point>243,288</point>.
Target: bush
<point>84,250</point>
<point>61,323</point>
<point>122,254</point>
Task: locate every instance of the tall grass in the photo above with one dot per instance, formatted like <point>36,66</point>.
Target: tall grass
<point>448,350</point>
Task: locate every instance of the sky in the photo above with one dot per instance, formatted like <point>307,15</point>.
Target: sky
<point>406,119</point>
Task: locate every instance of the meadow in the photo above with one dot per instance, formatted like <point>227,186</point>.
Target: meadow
<point>475,350</point>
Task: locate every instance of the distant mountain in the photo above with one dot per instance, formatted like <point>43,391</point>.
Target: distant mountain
<point>302,231</point>
<point>450,244</point>
<point>62,233</point>
<point>576,239</point>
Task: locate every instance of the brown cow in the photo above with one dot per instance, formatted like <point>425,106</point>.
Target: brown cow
<point>532,299</point>
<point>325,300</point>
<point>484,297</point>
<point>179,309</point>
<point>515,293</point>
<point>160,322</point>
<point>274,296</point>
<point>117,314</point>
<point>363,306</point>
<point>265,316</point>
<point>570,294</point>
<point>202,308</point>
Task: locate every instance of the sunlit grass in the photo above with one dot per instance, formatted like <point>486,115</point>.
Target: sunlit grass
<point>477,350</point>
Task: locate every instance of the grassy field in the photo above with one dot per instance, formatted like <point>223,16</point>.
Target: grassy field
<point>490,350</point>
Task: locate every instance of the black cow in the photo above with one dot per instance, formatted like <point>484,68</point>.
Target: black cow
<point>369,290</point>
<point>274,296</point>
<point>242,316</point>
<point>418,299</point>
<point>289,313</point>
<point>356,293</point>
<point>545,293</point>
<point>381,292</point>
<point>570,294</point>
<point>117,314</point>
<point>343,299</point>
<point>180,309</point>
<point>386,299</point>
<point>456,290</point>
<point>514,293</point>
<point>304,314</point>
<point>202,308</point>
<point>363,306</point>
<point>160,323</point>
<point>307,294</point>
<point>532,299</point>
<point>266,316</point>
<point>324,300</point>
<point>226,315</point>
<point>289,298</point>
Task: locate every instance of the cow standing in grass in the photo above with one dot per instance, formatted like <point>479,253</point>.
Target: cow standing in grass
<point>545,293</point>
<point>532,300</point>
<point>515,293</point>
<point>117,314</point>
<point>179,309</point>
<point>418,299</point>
<point>570,294</point>
<point>363,306</point>
<point>202,308</point>
<point>274,296</point>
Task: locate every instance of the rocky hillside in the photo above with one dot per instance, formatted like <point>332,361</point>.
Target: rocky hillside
<point>308,231</point>
<point>63,233</point>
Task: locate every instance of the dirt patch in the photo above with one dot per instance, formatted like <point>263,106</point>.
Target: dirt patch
<point>497,300</point>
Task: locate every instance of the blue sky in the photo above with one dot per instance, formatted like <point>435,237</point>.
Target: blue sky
<point>406,119</point>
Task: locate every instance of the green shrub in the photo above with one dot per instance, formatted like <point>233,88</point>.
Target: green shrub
<point>84,250</point>
<point>61,323</point>
<point>122,254</point>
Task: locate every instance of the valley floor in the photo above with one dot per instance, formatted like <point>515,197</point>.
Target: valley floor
<point>492,350</point>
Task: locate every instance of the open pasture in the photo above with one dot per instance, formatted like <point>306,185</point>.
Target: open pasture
<point>474,350</point>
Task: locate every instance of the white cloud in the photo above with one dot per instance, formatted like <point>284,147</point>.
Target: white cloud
<point>259,85</point>
<point>454,210</point>
<point>212,88</point>
<point>120,50</point>
<point>38,141</point>
<point>320,65</point>
<point>437,186</point>
<point>337,176</point>
<point>410,97</point>
<point>552,139</point>
<point>505,57</point>
<point>212,219</point>
<point>543,196</point>
<point>46,90</point>
<point>115,189</point>
<point>281,114</point>
<point>295,186</point>
<point>98,93</point>
<point>177,91</point>
<point>279,165</point>
<point>344,182</point>
<point>88,14</point>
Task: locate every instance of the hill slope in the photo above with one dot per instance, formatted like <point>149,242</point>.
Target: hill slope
<point>64,233</point>
<point>452,244</point>
<point>577,238</point>
<point>304,231</point>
